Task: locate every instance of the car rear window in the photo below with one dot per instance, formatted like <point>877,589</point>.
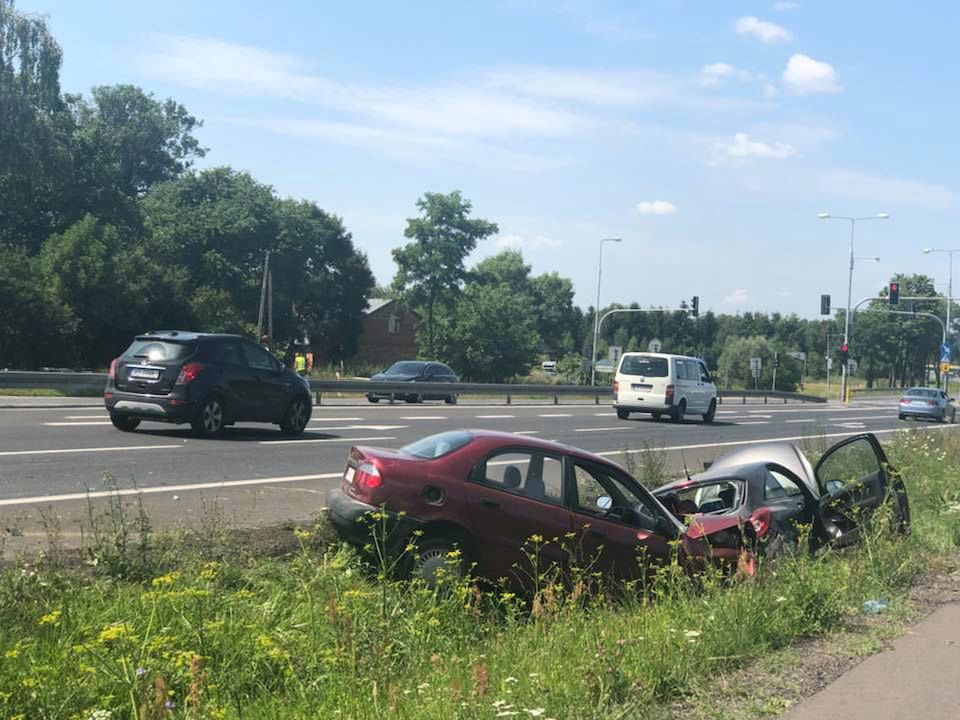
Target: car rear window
<point>921,392</point>
<point>158,351</point>
<point>406,368</point>
<point>647,366</point>
<point>438,445</point>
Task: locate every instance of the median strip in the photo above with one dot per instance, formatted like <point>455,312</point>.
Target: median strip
<point>327,440</point>
<point>121,448</point>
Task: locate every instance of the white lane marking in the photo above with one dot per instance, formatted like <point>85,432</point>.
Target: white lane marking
<point>8,453</point>
<point>77,422</point>
<point>84,417</point>
<point>605,414</point>
<point>888,416</point>
<point>807,420</point>
<point>758,422</point>
<point>758,441</point>
<point>527,432</point>
<point>335,419</point>
<point>555,415</point>
<point>604,429</point>
<point>851,425</point>
<point>757,415</point>
<point>165,488</point>
<point>362,427</point>
<point>423,417</point>
<point>494,417</point>
<point>327,440</point>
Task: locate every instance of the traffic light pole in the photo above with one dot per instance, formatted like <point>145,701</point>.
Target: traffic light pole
<point>846,320</point>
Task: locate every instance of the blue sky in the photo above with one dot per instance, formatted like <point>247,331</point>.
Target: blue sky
<point>707,134</point>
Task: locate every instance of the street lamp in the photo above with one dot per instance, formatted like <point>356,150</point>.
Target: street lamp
<point>596,313</point>
<point>846,328</point>
<point>949,253</point>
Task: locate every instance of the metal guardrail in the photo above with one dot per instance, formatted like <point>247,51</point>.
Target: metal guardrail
<point>87,381</point>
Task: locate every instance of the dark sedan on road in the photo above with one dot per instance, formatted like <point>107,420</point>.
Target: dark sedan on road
<point>481,496</point>
<point>774,488</point>
<point>415,371</point>
<point>927,403</point>
<point>207,380</point>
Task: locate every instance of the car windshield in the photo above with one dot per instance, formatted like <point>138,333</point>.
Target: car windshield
<point>438,445</point>
<point>405,367</point>
<point>921,392</point>
<point>717,497</point>
<point>646,366</point>
<point>157,351</point>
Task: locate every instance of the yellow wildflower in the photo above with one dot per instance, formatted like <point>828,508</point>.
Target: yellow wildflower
<point>116,631</point>
<point>51,618</point>
<point>164,580</point>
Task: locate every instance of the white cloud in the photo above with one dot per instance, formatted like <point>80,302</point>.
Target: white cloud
<point>886,192</point>
<point>804,75</point>
<point>518,241</point>
<point>785,6</point>
<point>763,30</point>
<point>742,148</point>
<point>737,297</point>
<point>656,207</point>
<point>593,88</point>
<point>718,73</point>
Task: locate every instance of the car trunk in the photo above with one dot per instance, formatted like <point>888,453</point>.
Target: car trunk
<point>151,367</point>
<point>643,379</point>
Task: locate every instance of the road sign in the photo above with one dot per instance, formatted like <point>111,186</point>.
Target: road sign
<point>654,345</point>
<point>756,363</point>
<point>945,354</point>
<point>801,356</point>
<point>614,352</point>
<point>944,368</point>
<point>829,363</point>
<point>604,366</point>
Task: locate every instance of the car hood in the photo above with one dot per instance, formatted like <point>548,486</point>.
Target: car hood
<point>383,377</point>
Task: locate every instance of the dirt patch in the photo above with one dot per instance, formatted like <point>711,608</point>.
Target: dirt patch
<point>771,685</point>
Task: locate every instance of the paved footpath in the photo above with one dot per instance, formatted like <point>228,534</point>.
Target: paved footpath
<point>918,678</point>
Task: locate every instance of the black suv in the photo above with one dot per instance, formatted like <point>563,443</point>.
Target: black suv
<point>209,381</point>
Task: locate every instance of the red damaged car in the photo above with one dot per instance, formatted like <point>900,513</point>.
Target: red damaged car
<point>486,494</point>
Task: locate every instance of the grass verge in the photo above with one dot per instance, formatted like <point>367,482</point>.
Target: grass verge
<point>154,629</point>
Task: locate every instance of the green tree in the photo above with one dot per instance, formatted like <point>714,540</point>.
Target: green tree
<point>559,321</point>
<point>430,269</point>
<point>490,336</point>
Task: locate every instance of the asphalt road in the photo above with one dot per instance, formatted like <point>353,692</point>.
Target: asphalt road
<point>51,454</point>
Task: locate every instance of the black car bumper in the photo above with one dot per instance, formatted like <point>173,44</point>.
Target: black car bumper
<point>163,408</point>
<point>358,522</point>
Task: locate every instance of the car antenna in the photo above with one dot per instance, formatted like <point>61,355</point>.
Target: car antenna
<point>685,471</point>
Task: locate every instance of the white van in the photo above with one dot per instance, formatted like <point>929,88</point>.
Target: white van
<point>660,384</point>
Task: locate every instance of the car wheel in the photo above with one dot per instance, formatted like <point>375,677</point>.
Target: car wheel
<point>450,400</point>
<point>437,555</point>
<point>623,414</point>
<point>296,418</point>
<point>209,420</point>
<point>124,423</point>
<point>953,417</point>
<point>902,416</point>
<point>711,412</point>
<point>413,399</point>
<point>373,399</point>
<point>680,411</point>
<point>656,416</point>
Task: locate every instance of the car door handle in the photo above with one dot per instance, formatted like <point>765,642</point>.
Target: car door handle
<point>597,533</point>
<point>489,503</point>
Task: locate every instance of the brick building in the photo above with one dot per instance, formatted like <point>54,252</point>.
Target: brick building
<point>389,334</point>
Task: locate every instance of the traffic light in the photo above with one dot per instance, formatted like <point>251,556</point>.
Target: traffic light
<point>776,359</point>
<point>844,354</point>
<point>894,297</point>
<point>824,304</point>
<point>695,305</point>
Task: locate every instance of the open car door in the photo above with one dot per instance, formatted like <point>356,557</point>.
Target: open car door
<point>855,480</point>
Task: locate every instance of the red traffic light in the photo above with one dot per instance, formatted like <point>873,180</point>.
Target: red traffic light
<point>843,348</point>
<point>894,287</point>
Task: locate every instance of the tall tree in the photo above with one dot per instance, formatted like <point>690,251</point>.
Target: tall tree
<point>430,269</point>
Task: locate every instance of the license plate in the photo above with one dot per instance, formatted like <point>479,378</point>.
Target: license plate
<point>348,474</point>
<point>144,373</point>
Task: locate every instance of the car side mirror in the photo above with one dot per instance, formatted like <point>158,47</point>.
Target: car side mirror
<point>833,486</point>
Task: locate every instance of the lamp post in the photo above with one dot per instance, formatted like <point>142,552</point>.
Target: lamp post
<point>949,254</point>
<point>596,313</point>
<point>846,328</point>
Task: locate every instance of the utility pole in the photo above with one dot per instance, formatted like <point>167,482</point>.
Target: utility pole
<point>266,300</point>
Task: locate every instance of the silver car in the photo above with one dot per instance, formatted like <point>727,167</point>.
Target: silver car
<point>929,403</point>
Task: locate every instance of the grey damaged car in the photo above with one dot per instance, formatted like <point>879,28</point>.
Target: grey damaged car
<point>775,489</point>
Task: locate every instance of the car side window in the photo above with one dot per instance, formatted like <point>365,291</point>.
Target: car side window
<point>533,474</point>
<point>847,464</point>
<point>603,495</point>
<point>231,354</point>
<point>258,358</point>
<point>681,369</point>
<point>778,486</point>
<point>705,374</point>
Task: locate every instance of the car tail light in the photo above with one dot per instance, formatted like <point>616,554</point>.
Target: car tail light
<point>760,520</point>
<point>368,476</point>
<point>931,403</point>
<point>189,373</point>
<point>904,401</point>
<point>669,393</point>
<point>112,374</point>
<point>616,386</point>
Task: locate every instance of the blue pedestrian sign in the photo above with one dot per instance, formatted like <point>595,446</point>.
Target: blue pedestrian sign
<point>944,353</point>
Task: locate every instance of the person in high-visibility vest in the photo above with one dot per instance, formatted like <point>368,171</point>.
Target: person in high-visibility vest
<point>300,364</point>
